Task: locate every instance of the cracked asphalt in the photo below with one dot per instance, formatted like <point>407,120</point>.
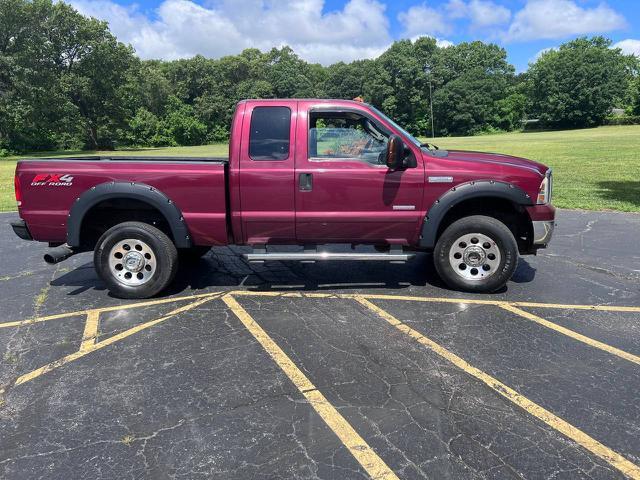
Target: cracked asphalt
<point>330,370</point>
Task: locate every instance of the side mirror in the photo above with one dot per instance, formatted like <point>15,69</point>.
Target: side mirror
<point>395,152</point>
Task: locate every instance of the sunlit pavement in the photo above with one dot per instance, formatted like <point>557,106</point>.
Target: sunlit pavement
<point>332,370</point>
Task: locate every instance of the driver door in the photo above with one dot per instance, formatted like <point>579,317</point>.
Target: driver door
<point>344,191</point>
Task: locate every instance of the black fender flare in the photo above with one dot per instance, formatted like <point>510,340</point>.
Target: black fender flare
<point>130,190</point>
<point>467,191</point>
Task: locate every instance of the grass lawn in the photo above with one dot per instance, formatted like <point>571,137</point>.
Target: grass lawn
<point>594,169</point>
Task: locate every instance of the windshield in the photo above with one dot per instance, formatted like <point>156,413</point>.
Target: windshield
<point>411,138</point>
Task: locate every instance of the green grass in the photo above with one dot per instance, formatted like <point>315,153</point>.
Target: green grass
<point>594,169</point>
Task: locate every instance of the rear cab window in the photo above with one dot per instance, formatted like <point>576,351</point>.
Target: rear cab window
<point>270,135</point>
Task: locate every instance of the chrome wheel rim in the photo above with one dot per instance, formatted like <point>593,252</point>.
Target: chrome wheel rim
<point>474,256</point>
<point>132,262</point>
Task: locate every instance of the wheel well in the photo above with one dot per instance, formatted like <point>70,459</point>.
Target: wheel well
<point>108,213</point>
<point>512,215</point>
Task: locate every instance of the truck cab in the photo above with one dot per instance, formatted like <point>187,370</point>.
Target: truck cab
<point>306,172</point>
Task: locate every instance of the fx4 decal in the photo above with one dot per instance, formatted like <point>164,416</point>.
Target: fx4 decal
<point>52,180</point>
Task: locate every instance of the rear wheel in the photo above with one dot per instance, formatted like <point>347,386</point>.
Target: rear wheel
<point>476,254</point>
<point>135,260</point>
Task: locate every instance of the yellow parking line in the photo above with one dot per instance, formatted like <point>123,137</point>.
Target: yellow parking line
<point>409,298</point>
<point>600,308</point>
<point>570,333</point>
<point>126,306</point>
<point>90,330</point>
<point>472,301</point>
<point>581,438</point>
<point>356,445</point>
<point>106,342</point>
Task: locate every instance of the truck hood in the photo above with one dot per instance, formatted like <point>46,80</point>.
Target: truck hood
<point>492,158</point>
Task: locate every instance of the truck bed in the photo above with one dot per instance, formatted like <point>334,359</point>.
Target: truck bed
<point>131,158</point>
<point>197,186</point>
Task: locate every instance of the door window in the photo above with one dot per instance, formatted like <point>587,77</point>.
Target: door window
<point>270,133</point>
<point>345,136</point>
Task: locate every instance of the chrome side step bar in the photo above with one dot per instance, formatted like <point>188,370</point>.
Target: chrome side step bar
<point>260,256</point>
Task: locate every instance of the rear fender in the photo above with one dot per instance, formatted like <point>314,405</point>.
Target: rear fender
<point>134,191</point>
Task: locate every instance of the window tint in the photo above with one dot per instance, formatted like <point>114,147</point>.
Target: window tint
<point>346,136</point>
<point>269,137</point>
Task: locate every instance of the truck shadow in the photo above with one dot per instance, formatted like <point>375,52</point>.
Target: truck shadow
<point>224,267</point>
<point>219,270</point>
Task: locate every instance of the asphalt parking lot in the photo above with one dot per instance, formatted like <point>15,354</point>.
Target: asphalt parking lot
<point>333,371</point>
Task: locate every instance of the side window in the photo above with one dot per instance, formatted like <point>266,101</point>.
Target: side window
<point>346,136</point>
<point>270,133</point>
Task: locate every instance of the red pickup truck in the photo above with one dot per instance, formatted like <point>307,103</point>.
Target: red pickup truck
<point>300,172</point>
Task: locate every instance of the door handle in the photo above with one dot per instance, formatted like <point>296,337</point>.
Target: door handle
<point>305,182</point>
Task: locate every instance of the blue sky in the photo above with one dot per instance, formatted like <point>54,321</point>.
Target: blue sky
<point>327,31</point>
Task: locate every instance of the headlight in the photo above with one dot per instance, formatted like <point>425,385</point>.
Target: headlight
<point>544,194</point>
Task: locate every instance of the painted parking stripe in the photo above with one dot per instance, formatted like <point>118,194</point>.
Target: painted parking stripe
<point>87,348</point>
<point>563,306</point>
<point>77,313</point>
<point>471,301</point>
<point>572,334</point>
<point>581,438</point>
<point>90,330</point>
<point>361,451</point>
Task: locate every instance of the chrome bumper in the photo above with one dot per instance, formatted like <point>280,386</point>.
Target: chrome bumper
<point>542,231</point>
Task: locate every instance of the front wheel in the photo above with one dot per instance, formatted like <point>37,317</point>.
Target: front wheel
<point>135,260</point>
<point>476,254</point>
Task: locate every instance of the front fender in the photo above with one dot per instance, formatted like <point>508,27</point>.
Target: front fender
<point>466,191</point>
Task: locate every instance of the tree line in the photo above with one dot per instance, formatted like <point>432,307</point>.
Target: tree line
<point>67,83</point>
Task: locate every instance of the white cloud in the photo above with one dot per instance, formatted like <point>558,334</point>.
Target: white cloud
<point>540,53</point>
<point>440,42</point>
<point>550,19</point>
<point>481,13</point>
<point>629,46</point>
<point>183,28</point>
<point>421,20</point>
<point>443,43</point>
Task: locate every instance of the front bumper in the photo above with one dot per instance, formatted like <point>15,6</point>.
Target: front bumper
<point>542,232</point>
<point>20,229</point>
<point>543,219</point>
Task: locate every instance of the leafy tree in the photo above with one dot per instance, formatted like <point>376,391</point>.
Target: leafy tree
<point>577,85</point>
<point>67,73</point>
<point>398,84</point>
<point>181,122</point>
<point>471,86</point>
<point>635,105</point>
<point>464,105</point>
<point>347,80</point>
<point>290,76</point>
<point>146,129</point>
<point>66,82</point>
<point>508,112</point>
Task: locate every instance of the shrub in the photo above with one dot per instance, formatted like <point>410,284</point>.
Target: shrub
<point>622,120</point>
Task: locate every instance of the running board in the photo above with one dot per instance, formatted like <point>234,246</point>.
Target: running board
<point>319,256</point>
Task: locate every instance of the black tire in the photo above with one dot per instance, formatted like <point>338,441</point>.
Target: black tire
<point>161,250</point>
<point>482,281</point>
<point>193,254</point>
